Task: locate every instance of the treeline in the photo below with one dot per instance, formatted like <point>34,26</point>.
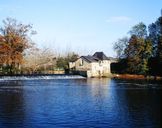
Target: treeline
<point>141,53</point>
<point>19,55</point>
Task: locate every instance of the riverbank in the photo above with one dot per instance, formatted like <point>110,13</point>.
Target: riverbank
<point>138,77</point>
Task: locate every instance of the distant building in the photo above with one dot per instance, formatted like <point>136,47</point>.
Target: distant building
<point>97,65</point>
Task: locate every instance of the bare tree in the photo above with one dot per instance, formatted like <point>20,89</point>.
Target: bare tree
<point>38,60</point>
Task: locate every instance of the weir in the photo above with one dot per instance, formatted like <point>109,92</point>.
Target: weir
<point>39,77</point>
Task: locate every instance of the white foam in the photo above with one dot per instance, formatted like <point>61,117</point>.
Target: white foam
<point>50,77</point>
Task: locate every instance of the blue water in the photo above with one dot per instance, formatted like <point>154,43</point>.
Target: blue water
<point>52,103</point>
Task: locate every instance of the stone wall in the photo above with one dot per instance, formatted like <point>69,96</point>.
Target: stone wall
<point>82,65</point>
<point>101,69</point>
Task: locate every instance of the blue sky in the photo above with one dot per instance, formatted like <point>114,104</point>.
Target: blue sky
<point>84,26</point>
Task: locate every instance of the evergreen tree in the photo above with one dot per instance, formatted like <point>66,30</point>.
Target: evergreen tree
<point>155,34</point>
<point>139,50</point>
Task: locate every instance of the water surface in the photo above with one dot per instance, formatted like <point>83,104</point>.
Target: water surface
<point>80,103</point>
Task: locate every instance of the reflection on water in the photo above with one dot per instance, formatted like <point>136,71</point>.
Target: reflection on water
<point>11,104</point>
<point>80,102</point>
<point>97,87</point>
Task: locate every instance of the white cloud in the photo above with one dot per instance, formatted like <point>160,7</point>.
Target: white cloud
<point>116,19</point>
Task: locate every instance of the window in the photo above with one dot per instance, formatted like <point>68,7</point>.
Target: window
<point>81,63</point>
<point>100,63</point>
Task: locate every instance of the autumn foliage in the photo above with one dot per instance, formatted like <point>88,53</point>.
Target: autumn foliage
<point>14,40</point>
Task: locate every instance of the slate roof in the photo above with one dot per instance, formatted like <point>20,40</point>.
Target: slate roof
<point>90,58</point>
<point>98,56</point>
<point>101,56</point>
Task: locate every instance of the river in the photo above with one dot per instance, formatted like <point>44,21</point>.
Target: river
<point>79,102</point>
